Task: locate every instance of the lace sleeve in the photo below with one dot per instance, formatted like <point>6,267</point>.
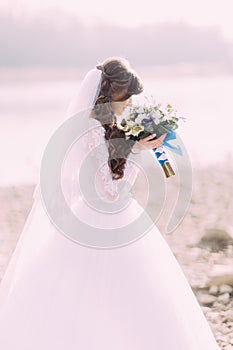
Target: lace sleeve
<point>96,145</point>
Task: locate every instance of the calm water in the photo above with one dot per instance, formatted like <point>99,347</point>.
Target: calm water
<point>31,110</point>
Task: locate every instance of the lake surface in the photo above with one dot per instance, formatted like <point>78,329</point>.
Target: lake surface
<point>30,110</point>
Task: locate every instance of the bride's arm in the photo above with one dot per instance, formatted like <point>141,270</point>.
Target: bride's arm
<point>105,186</point>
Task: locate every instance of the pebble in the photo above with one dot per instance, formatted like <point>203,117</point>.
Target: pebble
<point>206,299</point>
<point>221,275</point>
<point>222,338</point>
<point>225,330</point>
<point>228,347</point>
<point>218,305</point>
<point>213,317</point>
<point>225,288</point>
<point>229,316</point>
<point>224,298</point>
<point>213,290</point>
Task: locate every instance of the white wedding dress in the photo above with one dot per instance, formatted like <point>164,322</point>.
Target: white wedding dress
<point>60,294</point>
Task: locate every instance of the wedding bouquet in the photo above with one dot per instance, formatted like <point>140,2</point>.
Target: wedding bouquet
<point>139,121</point>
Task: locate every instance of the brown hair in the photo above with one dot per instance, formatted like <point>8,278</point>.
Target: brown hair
<point>119,82</point>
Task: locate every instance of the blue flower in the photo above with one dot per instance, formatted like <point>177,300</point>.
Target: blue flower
<point>148,121</point>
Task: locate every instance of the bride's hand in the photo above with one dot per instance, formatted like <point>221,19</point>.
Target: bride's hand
<point>148,143</point>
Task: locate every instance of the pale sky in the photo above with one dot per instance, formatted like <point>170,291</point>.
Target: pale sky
<point>217,13</point>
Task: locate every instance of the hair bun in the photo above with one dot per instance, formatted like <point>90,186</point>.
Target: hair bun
<point>105,75</point>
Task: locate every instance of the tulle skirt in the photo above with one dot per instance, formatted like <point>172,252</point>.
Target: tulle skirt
<point>58,294</point>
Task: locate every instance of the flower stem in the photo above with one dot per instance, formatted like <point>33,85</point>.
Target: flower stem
<point>167,168</point>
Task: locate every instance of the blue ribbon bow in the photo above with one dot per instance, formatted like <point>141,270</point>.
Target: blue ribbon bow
<point>172,136</point>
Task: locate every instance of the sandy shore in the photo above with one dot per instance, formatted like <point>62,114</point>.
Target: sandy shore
<point>211,206</point>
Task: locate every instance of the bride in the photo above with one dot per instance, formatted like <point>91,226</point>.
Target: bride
<point>91,271</point>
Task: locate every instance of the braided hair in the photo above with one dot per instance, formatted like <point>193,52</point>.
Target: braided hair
<point>119,83</point>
